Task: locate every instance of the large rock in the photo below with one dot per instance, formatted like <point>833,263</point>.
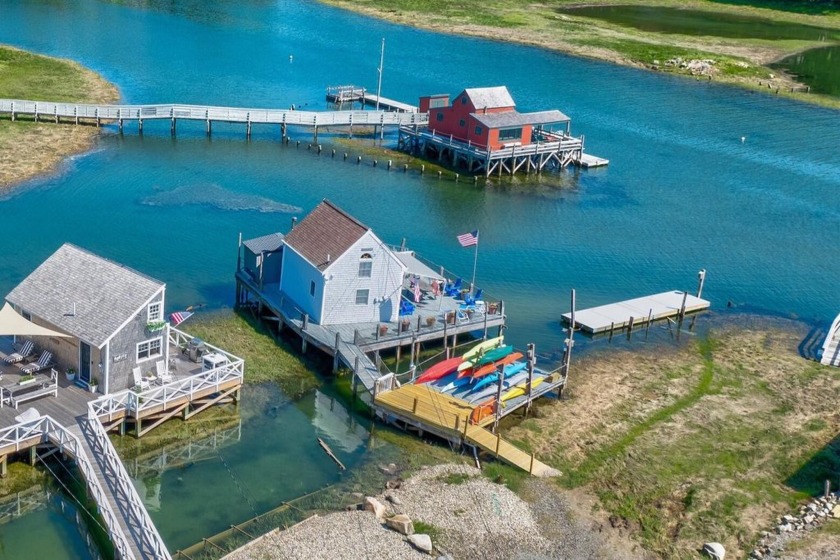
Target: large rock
<point>400,523</point>
<point>374,505</point>
<point>421,542</point>
<point>835,512</point>
<point>715,550</point>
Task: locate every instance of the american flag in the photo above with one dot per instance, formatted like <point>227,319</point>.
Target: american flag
<point>179,317</point>
<point>468,239</point>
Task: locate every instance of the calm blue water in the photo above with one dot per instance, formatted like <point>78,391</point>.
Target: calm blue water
<point>683,192</point>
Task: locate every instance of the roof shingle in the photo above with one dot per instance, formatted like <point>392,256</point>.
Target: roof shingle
<point>490,97</point>
<point>325,234</point>
<point>105,293</point>
<point>514,118</point>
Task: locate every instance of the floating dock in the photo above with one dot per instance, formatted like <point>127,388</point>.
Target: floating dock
<point>588,160</point>
<point>353,94</point>
<point>634,312</point>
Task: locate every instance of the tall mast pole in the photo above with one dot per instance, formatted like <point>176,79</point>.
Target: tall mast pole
<point>381,62</point>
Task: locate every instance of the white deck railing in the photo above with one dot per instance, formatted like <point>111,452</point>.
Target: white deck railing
<point>209,113</point>
<point>49,430</point>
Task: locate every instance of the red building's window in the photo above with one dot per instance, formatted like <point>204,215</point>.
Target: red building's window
<point>440,116</point>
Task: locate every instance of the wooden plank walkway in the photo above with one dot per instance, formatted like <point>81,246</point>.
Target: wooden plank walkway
<point>387,104</point>
<point>206,113</point>
<point>451,415</point>
<point>636,311</point>
<point>830,353</point>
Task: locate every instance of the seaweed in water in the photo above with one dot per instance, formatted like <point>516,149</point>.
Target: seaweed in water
<point>209,194</point>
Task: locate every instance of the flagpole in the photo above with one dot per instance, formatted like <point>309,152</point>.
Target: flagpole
<point>475,262</point>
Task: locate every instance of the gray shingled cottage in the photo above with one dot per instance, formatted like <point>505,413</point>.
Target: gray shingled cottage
<point>113,313</point>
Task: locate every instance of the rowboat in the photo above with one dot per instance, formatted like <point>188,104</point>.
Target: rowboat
<point>482,347</point>
<point>439,370</point>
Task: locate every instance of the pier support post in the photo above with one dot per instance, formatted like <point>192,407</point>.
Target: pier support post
<point>315,135</point>
<point>335,356</point>
<point>139,127</point>
<point>4,466</point>
<point>701,279</point>
<point>209,128</point>
<point>248,127</point>
<point>172,126</point>
<point>120,124</point>
<point>33,455</point>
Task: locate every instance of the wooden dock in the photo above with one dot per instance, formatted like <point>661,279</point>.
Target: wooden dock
<point>429,410</point>
<point>354,94</point>
<point>558,153</point>
<point>172,113</point>
<point>635,312</point>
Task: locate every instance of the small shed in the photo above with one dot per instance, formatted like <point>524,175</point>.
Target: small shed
<point>263,258</point>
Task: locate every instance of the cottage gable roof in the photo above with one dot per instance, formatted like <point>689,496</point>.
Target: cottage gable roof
<point>490,97</point>
<point>106,294</point>
<point>514,118</point>
<point>325,234</point>
<point>267,243</point>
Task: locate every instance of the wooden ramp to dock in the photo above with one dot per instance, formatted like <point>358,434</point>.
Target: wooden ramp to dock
<point>634,312</point>
<point>830,354</point>
<point>448,417</point>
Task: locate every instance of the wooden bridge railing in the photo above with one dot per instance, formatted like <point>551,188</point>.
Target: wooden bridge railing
<point>77,111</point>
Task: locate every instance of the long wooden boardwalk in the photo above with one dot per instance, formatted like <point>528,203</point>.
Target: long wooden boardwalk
<point>76,112</point>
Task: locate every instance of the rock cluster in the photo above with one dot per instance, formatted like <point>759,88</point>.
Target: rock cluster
<point>792,527</point>
<point>705,67</point>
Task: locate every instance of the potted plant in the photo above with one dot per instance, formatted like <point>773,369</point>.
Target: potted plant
<point>93,385</point>
<point>383,330</point>
<point>70,373</point>
<point>430,321</point>
<point>450,317</point>
<point>155,326</point>
<point>404,325</point>
<point>26,379</point>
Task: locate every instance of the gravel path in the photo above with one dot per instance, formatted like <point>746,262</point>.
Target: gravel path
<point>474,518</point>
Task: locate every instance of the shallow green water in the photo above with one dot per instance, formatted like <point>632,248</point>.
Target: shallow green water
<point>699,22</point>
<point>48,533</point>
<point>818,68</point>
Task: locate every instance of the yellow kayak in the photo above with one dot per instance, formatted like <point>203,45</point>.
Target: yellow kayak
<point>520,390</point>
<point>480,348</point>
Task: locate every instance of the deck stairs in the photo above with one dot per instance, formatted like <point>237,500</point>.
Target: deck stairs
<point>831,347</point>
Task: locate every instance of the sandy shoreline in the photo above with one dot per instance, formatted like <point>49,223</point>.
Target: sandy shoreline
<point>29,149</point>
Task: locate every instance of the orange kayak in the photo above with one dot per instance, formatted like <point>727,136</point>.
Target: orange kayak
<point>490,368</point>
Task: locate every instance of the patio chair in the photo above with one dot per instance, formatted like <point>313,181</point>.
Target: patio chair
<point>139,380</point>
<point>162,371</point>
<point>453,290</point>
<point>406,307</point>
<point>25,351</point>
<point>44,362</point>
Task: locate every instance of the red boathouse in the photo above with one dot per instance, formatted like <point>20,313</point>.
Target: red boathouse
<point>481,131</point>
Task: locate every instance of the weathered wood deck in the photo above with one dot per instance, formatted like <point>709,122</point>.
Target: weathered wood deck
<point>428,409</point>
<point>634,312</point>
<point>355,340</point>
<point>588,160</point>
<point>351,94</point>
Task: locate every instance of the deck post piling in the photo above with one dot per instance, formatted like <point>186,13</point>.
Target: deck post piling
<point>649,319</point>
<point>629,327</point>
<point>4,466</point>
<point>335,356</point>
<point>701,279</point>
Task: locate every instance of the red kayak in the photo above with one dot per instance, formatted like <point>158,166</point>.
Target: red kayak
<point>440,369</point>
<point>490,368</point>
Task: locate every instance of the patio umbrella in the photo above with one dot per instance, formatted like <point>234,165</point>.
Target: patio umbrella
<point>12,324</point>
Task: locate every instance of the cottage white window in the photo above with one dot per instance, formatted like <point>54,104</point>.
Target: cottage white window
<point>365,265</point>
<point>155,312</point>
<point>362,297</point>
<point>149,349</point>
<point>312,288</point>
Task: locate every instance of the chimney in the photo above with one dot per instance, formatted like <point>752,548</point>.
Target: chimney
<point>328,258</point>
<point>294,221</point>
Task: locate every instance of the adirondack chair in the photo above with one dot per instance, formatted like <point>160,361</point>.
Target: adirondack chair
<point>454,289</point>
<point>162,372</point>
<point>139,381</point>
